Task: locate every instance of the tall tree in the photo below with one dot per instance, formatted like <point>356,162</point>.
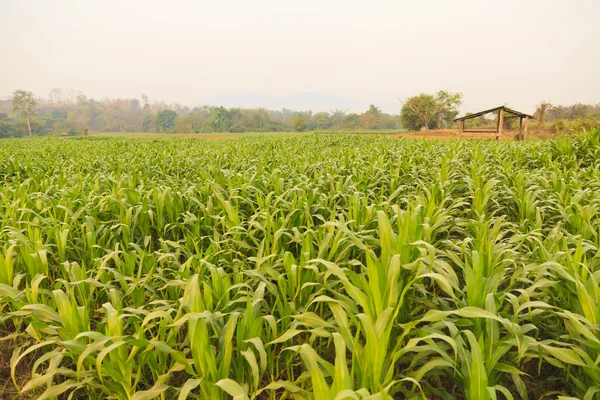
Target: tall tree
<point>165,120</point>
<point>148,123</point>
<point>426,108</point>
<point>370,119</point>
<point>7,129</point>
<point>261,120</point>
<point>299,122</point>
<point>337,118</point>
<point>219,120</point>
<point>351,121</point>
<point>321,120</point>
<point>24,102</point>
<point>63,97</point>
<point>373,109</point>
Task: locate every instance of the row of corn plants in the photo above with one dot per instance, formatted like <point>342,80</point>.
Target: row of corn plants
<point>323,267</point>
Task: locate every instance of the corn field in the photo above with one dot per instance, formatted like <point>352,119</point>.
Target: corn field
<point>323,267</point>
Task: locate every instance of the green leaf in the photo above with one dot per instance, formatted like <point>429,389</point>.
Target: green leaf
<point>151,393</point>
<point>565,355</point>
<point>187,387</point>
<point>232,388</point>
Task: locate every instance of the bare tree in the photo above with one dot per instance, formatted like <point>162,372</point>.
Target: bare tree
<point>63,97</point>
<point>24,102</point>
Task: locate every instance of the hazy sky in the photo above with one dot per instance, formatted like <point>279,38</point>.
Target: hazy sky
<point>515,52</point>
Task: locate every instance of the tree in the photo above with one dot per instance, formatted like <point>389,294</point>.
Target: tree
<point>63,97</point>
<point>219,120</point>
<point>299,122</point>
<point>261,121</point>
<point>352,121</point>
<point>337,118</point>
<point>387,121</point>
<point>542,110</point>
<point>7,129</point>
<point>59,114</point>
<point>321,120</point>
<point>148,123</point>
<point>165,120</point>
<point>579,111</point>
<point>370,119</point>
<point>426,110</point>
<point>24,102</point>
<point>374,110</point>
<point>237,117</point>
<point>186,124</point>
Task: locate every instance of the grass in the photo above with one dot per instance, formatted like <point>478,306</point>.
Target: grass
<point>315,267</point>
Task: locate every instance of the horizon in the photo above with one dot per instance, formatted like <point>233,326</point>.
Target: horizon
<point>275,109</point>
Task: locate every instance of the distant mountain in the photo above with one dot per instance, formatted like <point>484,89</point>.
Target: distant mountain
<point>298,102</point>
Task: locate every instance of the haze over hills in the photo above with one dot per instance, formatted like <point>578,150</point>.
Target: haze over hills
<point>299,102</point>
<point>303,101</point>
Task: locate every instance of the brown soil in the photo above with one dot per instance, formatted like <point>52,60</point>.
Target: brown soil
<point>455,134</point>
<point>7,387</point>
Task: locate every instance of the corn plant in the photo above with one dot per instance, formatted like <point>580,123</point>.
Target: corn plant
<point>322,267</point>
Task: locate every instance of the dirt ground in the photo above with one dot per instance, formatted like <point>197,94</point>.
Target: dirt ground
<point>455,134</point>
<point>431,134</point>
<point>7,389</point>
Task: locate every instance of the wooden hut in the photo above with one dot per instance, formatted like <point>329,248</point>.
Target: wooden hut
<point>503,113</point>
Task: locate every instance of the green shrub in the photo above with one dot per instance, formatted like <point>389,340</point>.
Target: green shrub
<point>237,129</point>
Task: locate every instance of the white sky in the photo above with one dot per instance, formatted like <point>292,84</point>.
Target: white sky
<point>515,51</point>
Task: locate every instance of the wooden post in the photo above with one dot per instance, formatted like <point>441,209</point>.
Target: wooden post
<point>462,126</point>
<point>500,123</point>
<point>521,136</point>
<point>525,128</point>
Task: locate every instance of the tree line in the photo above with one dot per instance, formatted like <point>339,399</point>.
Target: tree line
<point>67,112</point>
